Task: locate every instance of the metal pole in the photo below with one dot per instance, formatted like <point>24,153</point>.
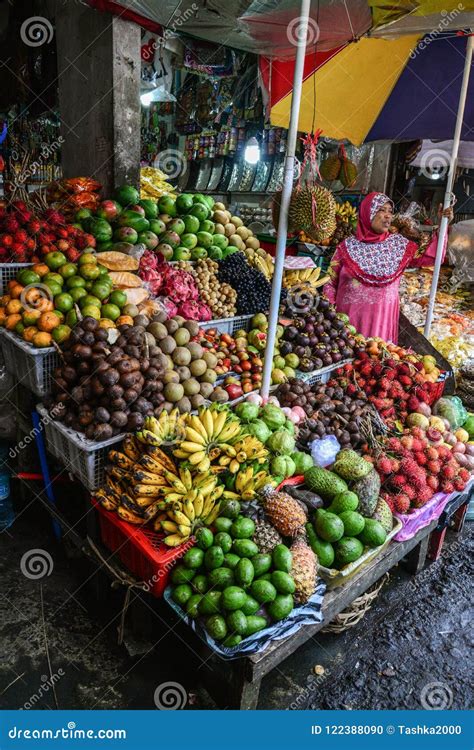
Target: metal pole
<point>443,229</point>
<point>285,196</point>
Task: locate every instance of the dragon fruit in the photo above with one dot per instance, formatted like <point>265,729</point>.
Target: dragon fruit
<point>192,310</point>
<point>179,285</point>
<point>170,307</point>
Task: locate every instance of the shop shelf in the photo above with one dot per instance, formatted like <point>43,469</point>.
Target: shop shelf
<point>85,459</point>
<point>8,272</point>
<point>32,367</point>
<point>140,549</point>
<point>322,375</point>
<point>229,325</point>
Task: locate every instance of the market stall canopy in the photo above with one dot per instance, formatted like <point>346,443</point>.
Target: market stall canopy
<point>436,155</point>
<point>378,89</point>
<point>270,27</point>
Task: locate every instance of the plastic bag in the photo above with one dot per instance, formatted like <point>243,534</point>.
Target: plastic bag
<point>461,252</point>
<point>324,450</point>
<point>452,409</point>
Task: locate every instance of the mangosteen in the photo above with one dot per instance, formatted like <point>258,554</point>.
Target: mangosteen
<point>327,325</point>
<point>318,363</point>
<point>325,339</point>
<point>324,303</point>
<point>290,333</point>
<point>299,324</point>
<point>300,351</point>
<point>339,324</point>
<point>326,359</point>
<point>285,348</point>
<point>330,315</point>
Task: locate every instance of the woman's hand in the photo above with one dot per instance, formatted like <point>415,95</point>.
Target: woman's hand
<point>447,212</point>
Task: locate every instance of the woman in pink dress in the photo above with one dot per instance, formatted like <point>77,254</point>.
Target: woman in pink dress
<point>366,268</point>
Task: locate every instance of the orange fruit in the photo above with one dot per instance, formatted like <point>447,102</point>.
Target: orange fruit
<point>41,269</point>
<point>32,295</point>
<point>4,300</point>
<point>124,320</point>
<point>29,333</point>
<point>12,320</point>
<point>3,317</point>
<point>44,305</point>
<point>42,339</point>
<point>106,323</point>
<point>48,321</point>
<point>14,306</point>
<point>30,317</point>
<point>16,290</point>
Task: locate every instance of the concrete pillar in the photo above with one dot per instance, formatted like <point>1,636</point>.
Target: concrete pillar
<point>99,94</point>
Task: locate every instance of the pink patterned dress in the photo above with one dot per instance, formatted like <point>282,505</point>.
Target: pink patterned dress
<point>373,310</point>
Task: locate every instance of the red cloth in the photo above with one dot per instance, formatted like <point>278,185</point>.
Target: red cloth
<point>108,6</point>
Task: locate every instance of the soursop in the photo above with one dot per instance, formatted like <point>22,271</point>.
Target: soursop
<point>367,490</point>
<point>326,484</point>
<point>351,466</point>
<point>383,514</point>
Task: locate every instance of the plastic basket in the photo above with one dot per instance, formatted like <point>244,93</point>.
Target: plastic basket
<point>140,549</point>
<point>83,458</point>
<point>8,272</point>
<point>229,325</point>
<point>322,375</point>
<point>32,367</point>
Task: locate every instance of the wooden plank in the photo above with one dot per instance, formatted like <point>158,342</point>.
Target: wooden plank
<point>334,602</point>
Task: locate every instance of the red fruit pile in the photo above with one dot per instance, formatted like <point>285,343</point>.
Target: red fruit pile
<point>26,237</point>
<point>412,470</point>
<point>394,387</point>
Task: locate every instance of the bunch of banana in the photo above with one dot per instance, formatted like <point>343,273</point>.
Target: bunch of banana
<point>247,448</point>
<point>346,212</point>
<point>167,429</point>
<point>261,260</point>
<point>198,507</point>
<point>299,276</point>
<point>208,435</point>
<point>249,481</point>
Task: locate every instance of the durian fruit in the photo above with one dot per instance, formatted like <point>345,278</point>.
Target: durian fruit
<point>313,209</point>
<point>304,569</point>
<point>383,514</point>
<point>286,514</point>
<point>348,173</point>
<point>330,167</point>
<point>266,537</point>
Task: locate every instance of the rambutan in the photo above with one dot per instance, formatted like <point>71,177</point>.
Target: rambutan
<point>395,465</point>
<point>409,491</point>
<point>398,480</point>
<point>425,495</point>
<point>384,465</point>
<point>390,500</point>
<point>413,403</point>
<point>448,471</point>
<point>417,445</point>
<point>407,442</point>
<point>394,444</point>
<point>409,466</point>
<point>447,487</point>
<point>433,483</point>
<point>418,433</point>
<point>431,453</point>
<point>464,474</point>
<point>459,484</point>
<point>434,467</point>
<point>405,380</point>
<point>402,503</point>
<point>420,458</point>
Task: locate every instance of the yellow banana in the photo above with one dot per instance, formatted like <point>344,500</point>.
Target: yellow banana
<point>174,481</point>
<point>208,423</point>
<point>148,437</point>
<point>219,422</point>
<point>191,447</point>
<point>198,505</point>
<point>188,509</point>
<point>186,478</point>
<point>179,517</point>
<point>196,458</point>
<point>204,465</point>
<point>185,531</point>
<point>229,450</point>
<point>234,466</point>
<point>213,514</point>
<point>130,448</point>
<point>198,426</point>
<point>174,540</point>
<point>195,437</point>
<point>229,431</point>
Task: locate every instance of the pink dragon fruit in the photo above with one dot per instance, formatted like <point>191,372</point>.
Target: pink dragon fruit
<point>180,285</point>
<point>169,306</point>
<point>192,310</point>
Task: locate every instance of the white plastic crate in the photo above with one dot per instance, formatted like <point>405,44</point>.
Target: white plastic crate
<point>85,459</point>
<point>322,375</point>
<point>32,367</point>
<point>229,325</point>
<point>8,272</point>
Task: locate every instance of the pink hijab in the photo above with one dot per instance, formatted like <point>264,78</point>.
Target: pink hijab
<point>376,259</point>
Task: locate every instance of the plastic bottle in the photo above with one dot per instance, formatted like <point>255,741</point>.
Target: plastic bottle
<point>7,514</point>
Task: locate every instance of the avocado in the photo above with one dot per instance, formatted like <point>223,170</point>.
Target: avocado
<point>209,604</point>
<point>192,605</point>
<point>244,548</point>
<point>233,597</point>
<point>347,550</point>
<point>344,501</point>
<point>353,522</point>
<point>223,524</point>
<point>261,564</point>
<point>283,582</point>
<point>242,528</point>
<point>220,578</point>
<point>223,540</point>
<point>263,591</point>
<point>250,606</point>
<point>181,574</point>
<point>280,607</point>
<point>237,622</point>
<point>324,551</point>
<point>193,558</point>
<point>328,526</point>
<point>244,572</point>
<point>254,624</point>
<point>200,583</point>
<point>182,593</point>
<point>373,533</point>
<point>282,558</point>
<point>231,560</point>
<point>216,627</point>
<point>204,538</point>
<point>232,640</point>
<point>213,558</point>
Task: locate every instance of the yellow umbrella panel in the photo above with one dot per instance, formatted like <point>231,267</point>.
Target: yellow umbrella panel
<point>351,89</point>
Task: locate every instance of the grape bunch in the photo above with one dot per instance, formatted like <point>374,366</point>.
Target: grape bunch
<point>253,289</point>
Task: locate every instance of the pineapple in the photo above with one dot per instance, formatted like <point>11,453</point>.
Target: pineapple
<point>265,536</point>
<point>286,514</point>
<point>303,569</point>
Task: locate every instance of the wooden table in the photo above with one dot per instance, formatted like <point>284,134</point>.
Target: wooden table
<point>242,677</point>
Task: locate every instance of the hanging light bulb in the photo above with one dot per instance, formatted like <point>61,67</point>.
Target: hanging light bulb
<point>252,151</point>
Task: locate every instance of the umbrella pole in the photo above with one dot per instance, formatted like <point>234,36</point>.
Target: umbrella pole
<point>443,229</point>
<point>287,188</point>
